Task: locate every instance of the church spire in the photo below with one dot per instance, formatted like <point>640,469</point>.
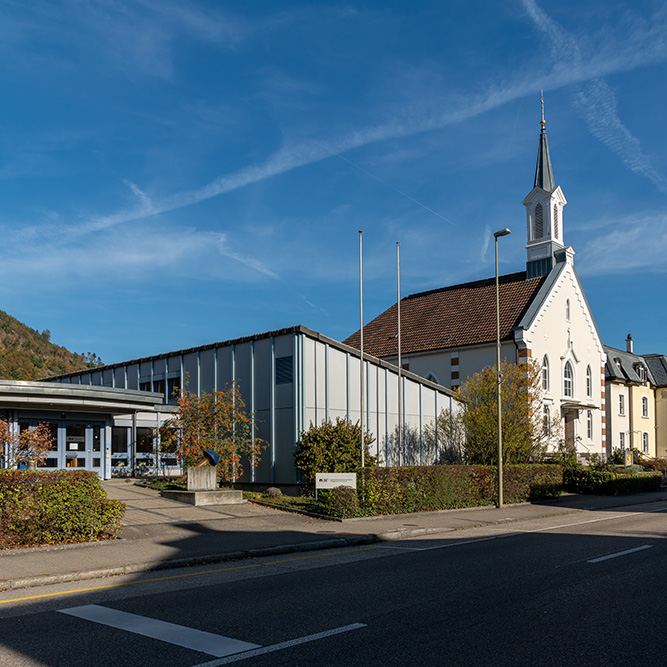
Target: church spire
<point>544,210</point>
<point>544,175</point>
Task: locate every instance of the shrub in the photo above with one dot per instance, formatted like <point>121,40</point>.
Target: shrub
<point>340,501</point>
<point>332,447</point>
<point>427,488</point>
<point>38,507</point>
<point>586,480</point>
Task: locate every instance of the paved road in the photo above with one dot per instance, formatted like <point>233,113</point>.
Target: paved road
<point>552,591</point>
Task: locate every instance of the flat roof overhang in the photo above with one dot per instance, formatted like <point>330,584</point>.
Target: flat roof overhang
<point>79,398</point>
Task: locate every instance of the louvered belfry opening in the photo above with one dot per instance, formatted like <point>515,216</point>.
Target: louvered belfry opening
<point>539,222</point>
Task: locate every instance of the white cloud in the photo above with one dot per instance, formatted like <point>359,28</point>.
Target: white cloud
<point>633,244</point>
<point>594,100</point>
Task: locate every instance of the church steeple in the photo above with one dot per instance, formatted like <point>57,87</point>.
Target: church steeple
<point>544,211</point>
<point>544,175</point>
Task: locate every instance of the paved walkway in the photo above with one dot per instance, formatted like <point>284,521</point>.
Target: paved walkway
<point>160,533</point>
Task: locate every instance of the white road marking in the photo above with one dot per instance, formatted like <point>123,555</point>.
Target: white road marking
<point>282,645</point>
<point>197,640</point>
<point>620,553</point>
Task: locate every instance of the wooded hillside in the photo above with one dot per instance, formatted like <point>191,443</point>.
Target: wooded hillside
<point>27,354</point>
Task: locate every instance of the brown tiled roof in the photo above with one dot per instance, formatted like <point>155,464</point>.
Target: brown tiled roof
<point>451,316</point>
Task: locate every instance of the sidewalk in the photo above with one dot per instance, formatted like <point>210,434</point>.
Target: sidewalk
<point>160,533</point>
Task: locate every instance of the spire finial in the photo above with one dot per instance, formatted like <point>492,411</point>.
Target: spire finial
<point>542,122</point>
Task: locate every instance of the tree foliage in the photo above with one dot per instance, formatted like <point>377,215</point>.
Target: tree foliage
<point>218,421</point>
<point>470,435</point>
<point>332,447</point>
<point>29,445</point>
<point>27,354</point>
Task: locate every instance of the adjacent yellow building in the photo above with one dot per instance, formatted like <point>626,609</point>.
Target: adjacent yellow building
<point>635,401</point>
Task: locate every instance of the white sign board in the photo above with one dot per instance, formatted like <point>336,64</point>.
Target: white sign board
<point>330,480</point>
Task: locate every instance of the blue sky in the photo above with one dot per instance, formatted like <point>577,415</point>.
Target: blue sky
<point>178,173</point>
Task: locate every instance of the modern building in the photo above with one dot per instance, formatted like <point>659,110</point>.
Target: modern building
<point>448,334</point>
<point>87,423</point>
<point>636,409</point>
<point>290,379</point>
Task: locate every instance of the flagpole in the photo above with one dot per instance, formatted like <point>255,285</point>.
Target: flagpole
<point>400,368</point>
<point>362,374</point>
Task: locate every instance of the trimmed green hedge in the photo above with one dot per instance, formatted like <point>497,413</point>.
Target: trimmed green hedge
<point>38,507</point>
<point>427,488</point>
<point>604,482</point>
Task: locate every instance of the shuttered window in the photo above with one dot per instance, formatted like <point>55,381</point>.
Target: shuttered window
<point>284,370</point>
<point>539,222</point>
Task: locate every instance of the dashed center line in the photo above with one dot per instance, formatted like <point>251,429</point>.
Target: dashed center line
<point>620,553</point>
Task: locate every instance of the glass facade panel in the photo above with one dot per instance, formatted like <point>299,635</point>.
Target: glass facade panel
<point>144,440</point>
<point>75,438</point>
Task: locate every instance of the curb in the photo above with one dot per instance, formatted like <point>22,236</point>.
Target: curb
<point>209,559</point>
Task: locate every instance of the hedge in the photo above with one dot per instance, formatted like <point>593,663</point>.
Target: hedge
<point>39,507</point>
<point>604,482</point>
<point>427,488</point>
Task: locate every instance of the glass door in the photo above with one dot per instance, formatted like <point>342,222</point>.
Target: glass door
<point>76,454</point>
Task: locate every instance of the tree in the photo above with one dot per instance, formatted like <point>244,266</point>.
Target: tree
<point>471,434</point>
<point>332,447</point>
<point>28,446</point>
<point>218,421</point>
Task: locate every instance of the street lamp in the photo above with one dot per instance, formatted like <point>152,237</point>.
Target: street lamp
<point>496,236</point>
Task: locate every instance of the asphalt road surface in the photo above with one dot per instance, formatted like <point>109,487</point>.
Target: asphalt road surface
<point>584,590</point>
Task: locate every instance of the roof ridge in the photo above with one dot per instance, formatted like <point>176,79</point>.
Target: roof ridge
<point>507,278</point>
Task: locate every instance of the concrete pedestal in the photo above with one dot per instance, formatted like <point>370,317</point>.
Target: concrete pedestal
<point>199,498</point>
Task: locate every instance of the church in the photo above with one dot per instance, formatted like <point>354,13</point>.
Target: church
<point>448,334</point>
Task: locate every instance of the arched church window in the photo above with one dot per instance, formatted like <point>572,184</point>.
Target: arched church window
<point>568,380</point>
<point>567,310</point>
<point>539,221</point>
<point>545,373</point>
<point>555,221</point>
<point>589,425</point>
<point>589,382</point>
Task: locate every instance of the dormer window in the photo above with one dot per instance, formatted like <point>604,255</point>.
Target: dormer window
<point>641,372</point>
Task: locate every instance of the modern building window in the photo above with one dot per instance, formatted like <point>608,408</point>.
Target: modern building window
<point>144,440</point>
<point>158,386</point>
<point>644,406</point>
<point>284,370</point>
<point>568,380</point>
<point>539,222</point>
<point>173,387</point>
<point>589,425</point>
<point>546,420</point>
<point>589,382</point>
<point>621,440</point>
<point>545,373</point>
<point>645,442</point>
<point>567,310</point>
<point>621,405</point>
<point>144,386</point>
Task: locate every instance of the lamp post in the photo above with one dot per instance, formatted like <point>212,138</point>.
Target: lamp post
<point>496,236</point>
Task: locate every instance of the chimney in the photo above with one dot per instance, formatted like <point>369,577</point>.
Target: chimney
<point>628,344</point>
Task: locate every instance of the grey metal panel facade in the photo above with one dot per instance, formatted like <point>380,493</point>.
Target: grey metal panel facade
<point>324,384</point>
